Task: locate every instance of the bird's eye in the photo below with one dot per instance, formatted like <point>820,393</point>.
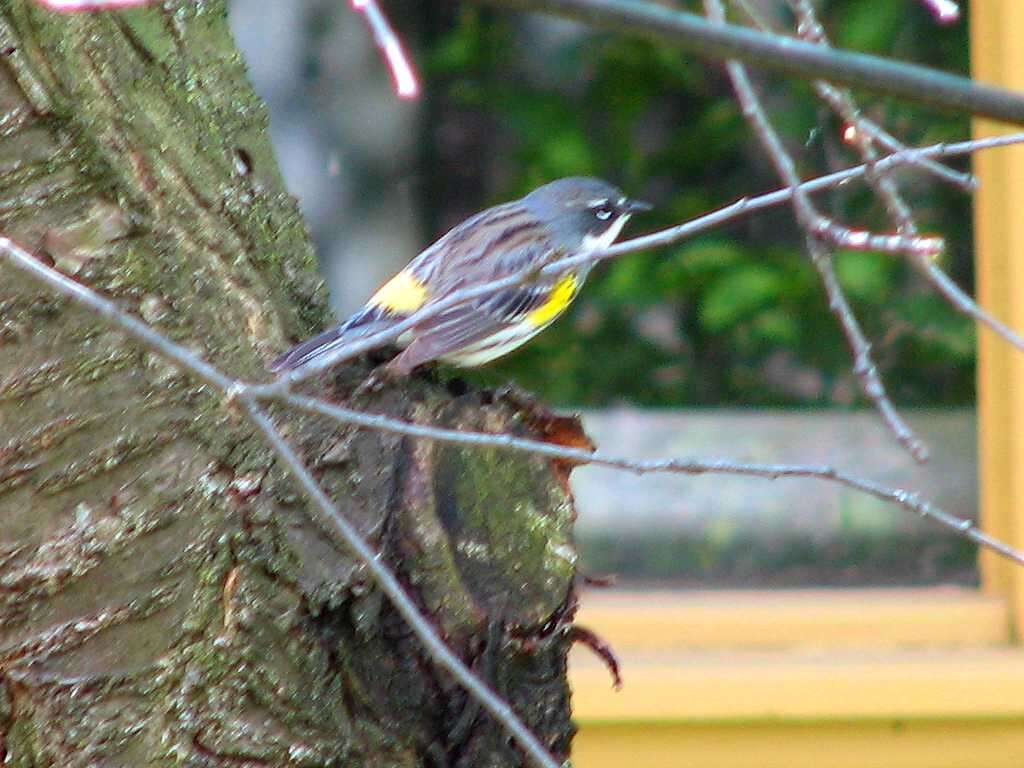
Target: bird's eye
<point>604,212</point>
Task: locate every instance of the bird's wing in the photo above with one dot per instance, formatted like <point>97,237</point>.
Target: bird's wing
<point>520,311</point>
<point>366,322</point>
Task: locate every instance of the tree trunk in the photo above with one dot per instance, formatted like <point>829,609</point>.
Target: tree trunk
<point>165,596</point>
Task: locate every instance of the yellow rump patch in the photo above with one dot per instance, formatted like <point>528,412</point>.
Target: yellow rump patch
<point>402,293</point>
<point>561,297</point>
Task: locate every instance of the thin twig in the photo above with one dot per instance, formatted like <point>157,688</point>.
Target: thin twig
<point>184,358</point>
<point>873,73</point>
<point>876,133</point>
<point>906,499</point>
<point>785,195</point>
<point>963,303</point>
<point>809,219</point>
<point>390,586</point>
<point>860,131</point>
<point>866,132</point>
<point>249,393</point>
<point>863,364</point>
<point>830,93</point>
<point>406,83</point>
<point>843,104</point>
<point>658,239</point>
<point>944,11</point>
<point>839,235</point>
<point>841,101</point>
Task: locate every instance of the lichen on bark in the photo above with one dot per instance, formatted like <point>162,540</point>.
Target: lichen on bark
<point>166,597</point>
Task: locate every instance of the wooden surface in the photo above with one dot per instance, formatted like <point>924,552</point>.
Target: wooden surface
<point>997,55</point>
<point>808,618</point>
<point>888,744</point>
<point>908,678</point>
<point>744,686</point>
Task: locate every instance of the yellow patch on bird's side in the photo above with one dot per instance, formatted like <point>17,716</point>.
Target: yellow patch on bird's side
<point>561,297</point>
<point>402,293</point>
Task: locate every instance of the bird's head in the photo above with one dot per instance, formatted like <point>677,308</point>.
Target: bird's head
<point>583,213</point>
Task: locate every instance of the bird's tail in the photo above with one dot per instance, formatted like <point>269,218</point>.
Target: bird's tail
<point>366,322</point>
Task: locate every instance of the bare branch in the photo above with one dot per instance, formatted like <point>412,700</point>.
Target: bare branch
<point>963,303</point>
<point>406,83</point>
<point>248,394</point>
<point>859,131</point>
<point>863,364</point>
<point>760,202</point>
<point>108,310</point>
<point>390,586</point>
<point>905,499</point>
<point>866,132</point>
<point>813,32</point>
<point>872,73</point>
<point>841,101</point>
<point>812,223</point>
<point>842,236</point>
<point>878,134</point>
<point>654,240</point>
<point>944,11</point>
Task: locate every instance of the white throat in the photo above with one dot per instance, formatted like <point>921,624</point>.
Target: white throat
<point>606,238</point>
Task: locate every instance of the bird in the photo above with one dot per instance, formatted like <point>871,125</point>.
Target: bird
<point>566,217</point>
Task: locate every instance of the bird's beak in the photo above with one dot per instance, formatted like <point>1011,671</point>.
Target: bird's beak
<point>637,206</point>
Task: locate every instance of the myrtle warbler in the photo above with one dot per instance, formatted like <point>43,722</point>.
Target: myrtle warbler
<point>563,218</point>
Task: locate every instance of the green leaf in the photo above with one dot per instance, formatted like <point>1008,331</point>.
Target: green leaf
<point>869,26</point>
<point>777,327</point>
<point>865,275</point>
<point>737,294</point>
<point>709,255</point>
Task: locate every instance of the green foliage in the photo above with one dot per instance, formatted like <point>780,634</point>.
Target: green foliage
<point>739,294</point>
<point>737,315</point>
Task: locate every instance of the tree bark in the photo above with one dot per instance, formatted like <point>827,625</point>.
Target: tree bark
<point>165,595</point>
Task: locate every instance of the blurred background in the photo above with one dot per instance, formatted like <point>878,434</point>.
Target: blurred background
<point>721,346</point>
